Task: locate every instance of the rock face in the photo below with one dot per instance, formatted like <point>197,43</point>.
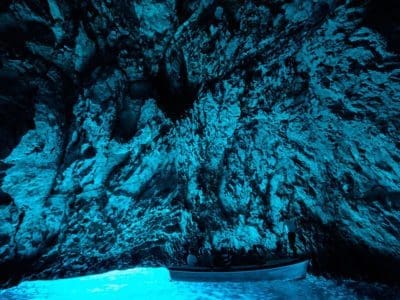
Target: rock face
<point>130,128</point>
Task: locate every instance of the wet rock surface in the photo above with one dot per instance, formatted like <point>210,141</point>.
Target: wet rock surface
<point>130,128</point>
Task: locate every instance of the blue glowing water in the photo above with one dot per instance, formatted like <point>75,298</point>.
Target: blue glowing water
<point>154,283</point>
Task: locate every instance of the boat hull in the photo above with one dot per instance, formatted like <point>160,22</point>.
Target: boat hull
<point>284,271</point>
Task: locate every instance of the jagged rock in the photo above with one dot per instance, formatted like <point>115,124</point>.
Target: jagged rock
<point>129,129</point>
<point>84,50</point>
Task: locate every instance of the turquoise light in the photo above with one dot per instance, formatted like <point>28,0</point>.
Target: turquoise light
<point>154,283</point>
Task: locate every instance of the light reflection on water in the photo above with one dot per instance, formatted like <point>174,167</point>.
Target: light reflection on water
<point>154,283</point>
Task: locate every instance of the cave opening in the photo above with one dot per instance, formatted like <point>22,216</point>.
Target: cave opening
<point>170,88</point>
<point>175,95</point>
<point>384,17</point>
<point>172,97</point>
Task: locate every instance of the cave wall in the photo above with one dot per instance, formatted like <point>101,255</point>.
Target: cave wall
<point>131,128</point>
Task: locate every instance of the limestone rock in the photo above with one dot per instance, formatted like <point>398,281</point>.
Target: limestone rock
<point>129,129</point>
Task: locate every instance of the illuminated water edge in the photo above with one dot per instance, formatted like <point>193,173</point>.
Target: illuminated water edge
<point>154,283</point>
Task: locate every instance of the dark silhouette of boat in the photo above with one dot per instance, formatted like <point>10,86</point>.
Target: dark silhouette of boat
<point>282,269</point>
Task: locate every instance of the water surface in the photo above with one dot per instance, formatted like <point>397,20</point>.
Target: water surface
<point>154,283</point>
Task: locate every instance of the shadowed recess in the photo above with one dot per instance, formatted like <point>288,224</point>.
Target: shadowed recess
<point>384,16</point>
<point>16,111</point>
<point>175,102</point>
<point>175,93</point>
<point>13,33</point>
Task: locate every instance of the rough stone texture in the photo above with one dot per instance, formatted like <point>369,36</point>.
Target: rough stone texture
<point>128,128</point>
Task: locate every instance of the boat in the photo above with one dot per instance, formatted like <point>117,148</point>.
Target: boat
<point>282,269</point>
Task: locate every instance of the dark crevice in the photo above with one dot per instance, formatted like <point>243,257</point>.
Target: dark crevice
<point>14,33</point>
<point>128,114</point>
<point>342,258</point>
<point>5,198</point>
<point>16,111</point>
<point>40,33</point>
<point>184,9</point>
<point>160,185</point>
<point>22,268</point>
<point>40,7</point>
<point>172,91</point>
<point>175,94</point>
<point>82,13</point>
<point>100,63</point>
<point>230,11</point>
<point>384,17</point>
<point>334,255</point>
<point>181,11</point>
<point>4,4</point>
